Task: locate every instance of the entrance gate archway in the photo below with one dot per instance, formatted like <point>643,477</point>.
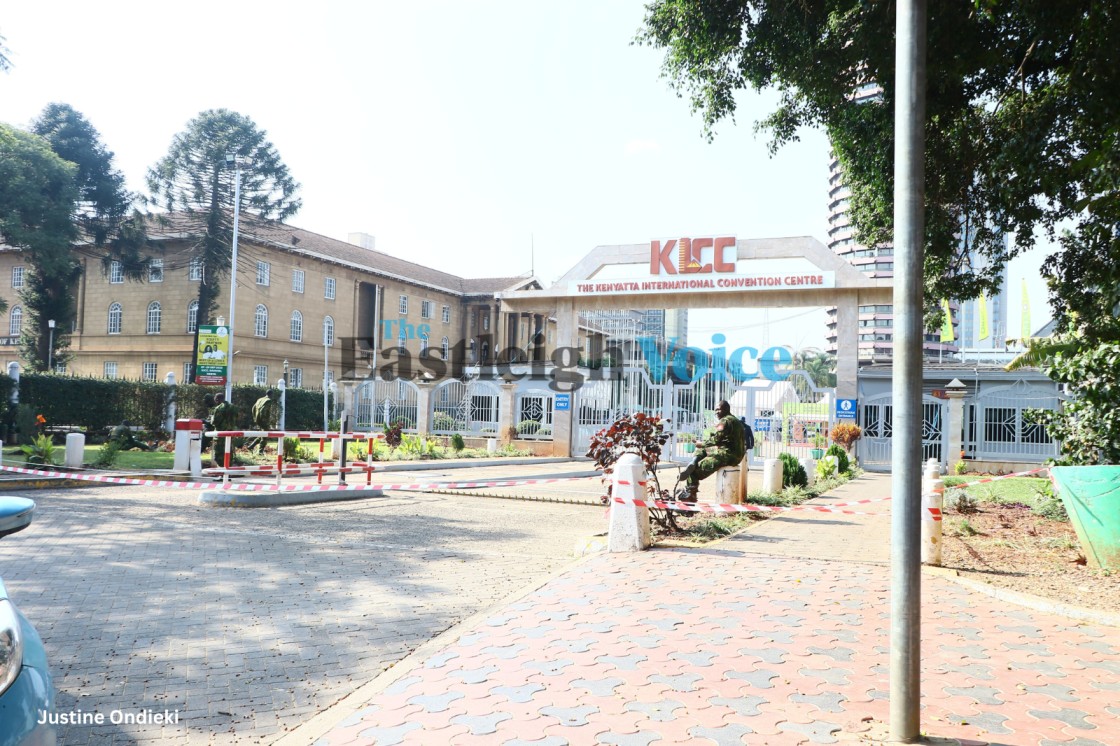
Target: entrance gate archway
<point>718,272</point>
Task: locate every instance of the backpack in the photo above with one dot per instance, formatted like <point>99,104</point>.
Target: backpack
<point>748,434</point>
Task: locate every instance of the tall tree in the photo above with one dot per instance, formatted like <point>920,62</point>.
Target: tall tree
<point>195,183</point>
<point>37,197</point>
<point>1022,131</point>
<point>107,224</point>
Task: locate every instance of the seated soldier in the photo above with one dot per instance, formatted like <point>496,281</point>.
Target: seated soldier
<point>122,433</point>
<point>726,447</point>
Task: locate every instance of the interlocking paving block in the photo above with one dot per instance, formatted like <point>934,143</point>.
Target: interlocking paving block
<point>482,725</point>
<point>968,633</point>
<point>435,702</point>
<point>817,731</point>
<point>759,679</point>
<point>840,654</point>
<point>718,639</point>
<point>388,736</point>
<point>1026,630</point>
<point>622,662</point>
<point>974,652</point>
<point>661,711</point>
<point>849,620</point>
<point>641,738</point>
<point>827,702</point>
<point>684,609</point>
<point>1072,718</point>
<point>985,695</point>
<point>504,652</point>
<point>766,654</point>
<point>473,637</point>
<point>1075,742</point>
<point>990,722</point>
<point>547,741</point>
<point>724,622</point>
<point>787,603</point>
<point>439,660</point>
<point>401,685</point>
<point>778,638</point>
<point>523,693</point>
<point>1054,691</point>
<point>834,676</point>
<point>841,635</point>
<point>1112,666</point>
<point>600,628</point>
<point>701,659</point>
<point>548,668</point>
<point>500,620</point>
<point>472,675</point>
<point>975,670</point>
<point>574,646</point>
<point>536,632</point>
<point>1043,667</point>
<point>598,687</point>
<point>734,605</point>
<point>358,716</point>
<point>1038,648</point>
<point>556,616</point>
<point>570,716</point>
<point>685,682</point>
<point>747,705</point>
<point>728,735</point>
<point>787,620</point>
<point>665,625</point>
<point>1107,686</point>
<point>1113,711</point>
<point>1099,647</point>
<point>645,641</point>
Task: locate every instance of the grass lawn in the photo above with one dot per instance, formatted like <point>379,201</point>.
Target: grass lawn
<point>1027,490</point>
<point>125,459</point>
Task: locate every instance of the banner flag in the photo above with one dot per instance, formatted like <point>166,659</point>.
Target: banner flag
<point>947,323</point>
<point>1026,326</point>
<point>983,316</point>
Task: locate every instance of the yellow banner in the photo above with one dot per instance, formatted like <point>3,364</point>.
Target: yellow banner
<point>1026,325</point>
<point>947,323</point>
<point>983,315</point>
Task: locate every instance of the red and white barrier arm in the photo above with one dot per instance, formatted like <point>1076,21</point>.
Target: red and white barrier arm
<point>722,508</point>
<point>301,434</point>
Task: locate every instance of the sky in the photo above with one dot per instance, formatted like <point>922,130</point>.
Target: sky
<point>485,138</point>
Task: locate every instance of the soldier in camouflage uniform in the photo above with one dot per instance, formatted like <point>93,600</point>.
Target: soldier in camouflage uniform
<point>726,447</point>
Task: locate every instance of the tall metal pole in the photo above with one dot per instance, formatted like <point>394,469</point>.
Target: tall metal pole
<point>233,278</point>
<point>906,449</point>
<point>326,363</point>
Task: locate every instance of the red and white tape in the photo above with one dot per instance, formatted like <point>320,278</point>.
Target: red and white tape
<point>303,435</point>
<point>256,487</point>
<point>996,479</point>
<point>699,507</point>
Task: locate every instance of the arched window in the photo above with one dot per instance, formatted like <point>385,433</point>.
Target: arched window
<point>328,331</point>
<point>297,327</point>
<point>192,317</point>
<point>15,321</point>
<point>446,347</point>
<point>260,321</point>
<point>155,317</point>
<point>115,314</point>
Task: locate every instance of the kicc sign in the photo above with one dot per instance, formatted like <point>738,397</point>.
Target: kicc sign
<point>686,256</point>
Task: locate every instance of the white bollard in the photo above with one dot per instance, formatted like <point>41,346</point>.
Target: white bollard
<point>810,467</point>
<point>75,450</point>
<point>772,476</point>
<point>727,485</point>
<point>932,469</point>
<point>629,523</point>
<point>933,499</point>
<point>491,445</point>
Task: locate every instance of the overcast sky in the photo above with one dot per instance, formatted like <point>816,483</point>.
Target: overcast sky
<point>481,138</point>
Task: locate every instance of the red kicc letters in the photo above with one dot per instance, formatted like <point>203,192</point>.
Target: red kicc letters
<point>689,256</point>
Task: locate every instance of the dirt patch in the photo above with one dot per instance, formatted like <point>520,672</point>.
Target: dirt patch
<point>1009,546</point>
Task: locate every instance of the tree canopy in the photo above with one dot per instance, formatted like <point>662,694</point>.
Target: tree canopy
<point>195,181</point>
<point>1022,130</point>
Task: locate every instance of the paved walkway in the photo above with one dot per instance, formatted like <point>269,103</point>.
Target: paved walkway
<point>779,636</point>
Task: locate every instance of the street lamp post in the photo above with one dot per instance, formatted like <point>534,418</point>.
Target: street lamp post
<point>284,396</point>
<point>326,362</point>
<point>232,159</point>
<point>50,345</point>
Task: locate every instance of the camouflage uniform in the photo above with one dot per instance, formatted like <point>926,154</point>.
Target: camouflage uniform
<point>726,448</point>
<point>225,418</point>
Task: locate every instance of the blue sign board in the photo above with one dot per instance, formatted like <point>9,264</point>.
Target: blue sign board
<point>561,402</point>
<point>846,409</point>
<point>761,424</point>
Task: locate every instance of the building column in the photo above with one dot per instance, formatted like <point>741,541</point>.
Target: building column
<point>506,425</point>
<point>956,391</point>
<point>423,407</point>
<point>495,331</point>
<point>847,346</point>
<point>567,335</point>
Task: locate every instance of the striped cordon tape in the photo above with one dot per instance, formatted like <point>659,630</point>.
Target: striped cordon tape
<point>699,507</point>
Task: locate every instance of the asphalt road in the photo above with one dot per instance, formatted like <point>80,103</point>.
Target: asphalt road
<point>243,623</point>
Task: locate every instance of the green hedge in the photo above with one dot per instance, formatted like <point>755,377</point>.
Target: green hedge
<point>98,404</point>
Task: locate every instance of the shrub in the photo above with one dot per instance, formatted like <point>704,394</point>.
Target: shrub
<point>444,421</point>
<point>961,467</point>
<point>793,473</point>
<point>843,464</point>
<point>528,427</point>
<point>40,450</point>
<point>393,434</point>
<point>107,454</point>
<point>457,443</point>
<point>1050,505</point>
<point>845,434</point>
<point>826,467</point>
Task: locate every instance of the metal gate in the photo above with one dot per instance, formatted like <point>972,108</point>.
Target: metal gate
<point>465,407</point>
<point>877,421</point>
<point>786,416</point>
<point>382,403</point>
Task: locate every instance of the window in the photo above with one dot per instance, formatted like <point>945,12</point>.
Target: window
<point>446,347</point>
<point>192,317</point>
<point>15,321</point>
<point>447,314</point>
<point>115,313</point>
<point>260,375</point>
<point>195,272</point>
<point>295,378</point>
<point>400,340</point>
<point>155,270</point>
<point>263,271</point>
<point>427,309</point>
<point>155,317</point>
<point>110,369</point>
<point>402,306</point>
<point>423,345</point>
<point>486,322</point>
<point>260,321</point>
<point>328,288</point>
<point>297,327</point>
<point>17,277</point>
<point>149,372</point>
<point>328,331</point>
<point>188,372</point>
<point>297,280</point>
<point>116,272</point>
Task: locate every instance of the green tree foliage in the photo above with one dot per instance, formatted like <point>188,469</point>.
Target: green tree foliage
<point>1022,132</point>
<point>194,184</point>
<point>37,197</point>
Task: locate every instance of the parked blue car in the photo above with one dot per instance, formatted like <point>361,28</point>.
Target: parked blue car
<point>26,691</point>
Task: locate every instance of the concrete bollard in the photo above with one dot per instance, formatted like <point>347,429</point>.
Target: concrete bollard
<point>629,523</point>
<point>932,469</point>
<point>810,467</point>
<point>491,445</point>
<point>933,498</point>
<point>772,476</point>
<point>75,450</point>
<point>727,485</point>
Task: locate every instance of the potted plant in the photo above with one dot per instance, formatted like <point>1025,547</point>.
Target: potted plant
<point>819,443</point>
<point>845,435</point>
<point>688,440</point>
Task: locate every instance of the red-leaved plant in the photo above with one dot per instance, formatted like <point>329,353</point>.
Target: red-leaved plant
<point>639,433</point>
